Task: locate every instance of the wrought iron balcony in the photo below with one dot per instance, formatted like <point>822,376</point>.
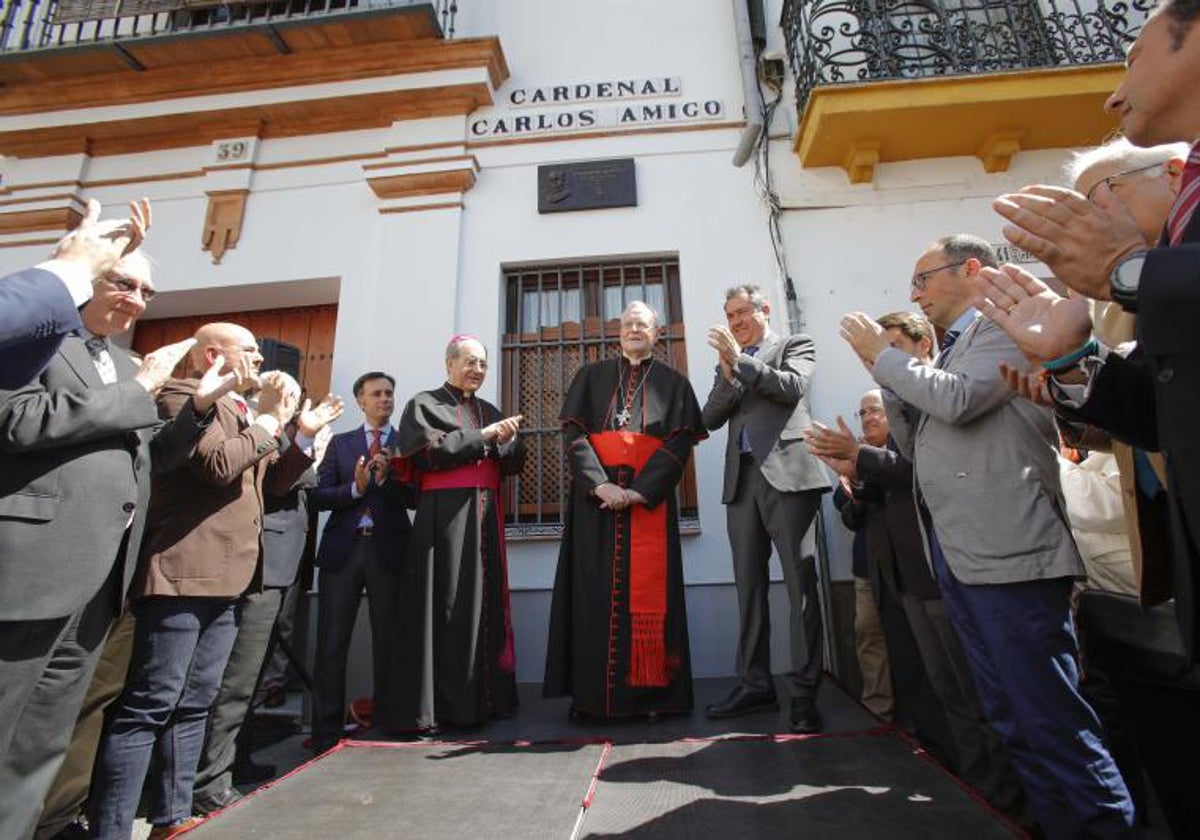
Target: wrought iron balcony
<point>832,42</point>
<point>27,25</point>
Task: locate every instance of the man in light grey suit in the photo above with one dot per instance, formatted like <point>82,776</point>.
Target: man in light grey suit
<point>77,445</point>
<point>773,488</point>
<point>987,487</point>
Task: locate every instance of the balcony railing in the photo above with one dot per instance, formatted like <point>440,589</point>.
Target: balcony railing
<point>41,24</point>
<point>833,42</point>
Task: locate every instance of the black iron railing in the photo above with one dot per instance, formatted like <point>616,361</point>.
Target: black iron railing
<point>831,42</point>
<point>41,24</point>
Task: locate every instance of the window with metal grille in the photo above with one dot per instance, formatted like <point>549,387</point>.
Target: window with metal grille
<point>557,319</point>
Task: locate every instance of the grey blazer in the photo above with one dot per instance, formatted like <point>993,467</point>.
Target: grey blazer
<point>285,531</point>
<point>769,398</point>
<point>983,459</point>
<point>75,462</point>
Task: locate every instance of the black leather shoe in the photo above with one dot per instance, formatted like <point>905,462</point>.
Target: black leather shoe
<point>743,701</point>
<point>806,720</point>
<point>204,805</point>
<point>249,773</point>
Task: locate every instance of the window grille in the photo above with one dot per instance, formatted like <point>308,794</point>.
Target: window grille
<point>558,318</point>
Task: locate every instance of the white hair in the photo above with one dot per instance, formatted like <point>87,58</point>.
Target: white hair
<point>1120,151</point>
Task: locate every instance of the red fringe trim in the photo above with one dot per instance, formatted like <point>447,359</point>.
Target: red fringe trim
<point>648,650</point>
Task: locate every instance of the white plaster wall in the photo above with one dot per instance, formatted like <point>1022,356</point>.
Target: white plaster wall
<point>404,282</point>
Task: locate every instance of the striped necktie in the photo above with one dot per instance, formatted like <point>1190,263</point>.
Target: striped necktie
<point>1189,196</point>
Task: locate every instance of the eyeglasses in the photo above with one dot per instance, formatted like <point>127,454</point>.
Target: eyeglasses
<point>1152,171</point>
<point>866,412</point>
<point>126,286</point>
<point>921,279</point>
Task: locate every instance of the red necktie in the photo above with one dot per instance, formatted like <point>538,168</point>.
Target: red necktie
<point>1189,196</point>
<point>373,449</point>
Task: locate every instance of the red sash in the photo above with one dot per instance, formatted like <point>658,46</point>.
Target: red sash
<point>647,561</point>
<point>484,474</point>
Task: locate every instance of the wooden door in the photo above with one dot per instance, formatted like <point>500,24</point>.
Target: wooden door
<point>311,328</point>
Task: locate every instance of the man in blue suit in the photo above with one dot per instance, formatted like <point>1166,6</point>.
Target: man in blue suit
<point>40,305</point>
<point>362,547</point>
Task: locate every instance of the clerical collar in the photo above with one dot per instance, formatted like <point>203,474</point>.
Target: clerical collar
<point>649,357</point>
<point>457,393</point>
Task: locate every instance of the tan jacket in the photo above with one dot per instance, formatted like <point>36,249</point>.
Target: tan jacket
<point>204,525</point>
<point>1114,326</point>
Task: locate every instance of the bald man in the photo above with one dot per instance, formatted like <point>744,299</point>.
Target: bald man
<point>201,551</point>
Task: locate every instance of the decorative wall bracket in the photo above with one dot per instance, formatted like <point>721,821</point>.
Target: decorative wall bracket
<point>223,221</point>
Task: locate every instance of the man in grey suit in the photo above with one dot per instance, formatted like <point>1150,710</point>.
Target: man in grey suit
<point>773,488</point>
<point>77,445</point>
<point>987,487</point>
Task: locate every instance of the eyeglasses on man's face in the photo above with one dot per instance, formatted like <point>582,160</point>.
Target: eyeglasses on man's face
<point>129,286</point>
<point>1152,171</point>
<point>863,413</point>
<point>921,279</point>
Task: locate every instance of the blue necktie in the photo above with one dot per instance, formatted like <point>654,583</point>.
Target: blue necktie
<point>744,436</point>
<point>1144,475</point>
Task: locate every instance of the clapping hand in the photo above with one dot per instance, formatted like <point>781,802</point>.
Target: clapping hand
<point>865,336</point>
<point>728,349</point>
<point>314,418</point>
<point>837,448</point>
<point>214,384</point>
<point>1042,323</point>
<point>1081,241</point>
<point>97,244</point>
<point>278,399</point>
<point>157,365</point>
<point>502,430</point>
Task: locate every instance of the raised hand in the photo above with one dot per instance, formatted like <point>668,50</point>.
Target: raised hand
<point>1042,323</point>
<point>1081,241</point>
<point>99,244</point>
<point>728,349</point>
<point>214,384</point>
<point>278,398</point>
<point>837,443</point>
<point>362,474</point>
<point>321,444</point>
<point>157,365</point>
<point>312,419</point>
<point>865,337</point>
<point>502,430</point>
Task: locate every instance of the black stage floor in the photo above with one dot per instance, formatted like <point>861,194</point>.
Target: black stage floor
<point>540,776</point>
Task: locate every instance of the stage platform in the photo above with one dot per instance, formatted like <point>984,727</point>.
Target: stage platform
<point>539,775</point>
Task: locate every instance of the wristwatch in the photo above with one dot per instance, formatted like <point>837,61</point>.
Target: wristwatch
<point>1123,282</point>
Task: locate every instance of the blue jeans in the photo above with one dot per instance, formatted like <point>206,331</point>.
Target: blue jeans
<point>1020,645</point>
<point>180,649</point>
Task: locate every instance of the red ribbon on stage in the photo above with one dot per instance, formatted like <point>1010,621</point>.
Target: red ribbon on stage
<point>648,666</point>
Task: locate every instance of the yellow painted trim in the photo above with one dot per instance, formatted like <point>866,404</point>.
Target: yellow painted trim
<point>991,116</point>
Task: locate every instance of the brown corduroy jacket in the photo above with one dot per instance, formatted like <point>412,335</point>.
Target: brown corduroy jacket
<point>203,533</point>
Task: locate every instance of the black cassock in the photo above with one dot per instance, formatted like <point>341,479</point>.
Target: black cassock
<point>618,640</point>
<point>455,629</point>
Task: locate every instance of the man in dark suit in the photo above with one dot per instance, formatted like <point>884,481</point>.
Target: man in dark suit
<point>362,548</point>
<point>773,488</point>
<point>201,550</point>
<point>40,305</point>
<point>77,446</point>
<point>283,543</point>
<point>1148,398</point>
